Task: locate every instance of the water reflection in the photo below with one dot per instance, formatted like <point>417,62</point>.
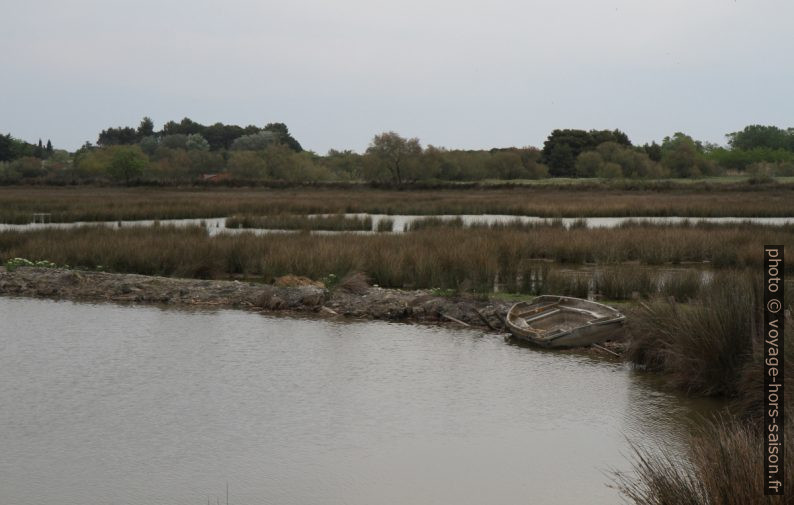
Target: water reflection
<point>400,223</point>
<point>121,404</point>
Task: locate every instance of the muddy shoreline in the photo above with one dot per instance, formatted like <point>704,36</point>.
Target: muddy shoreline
<point>371,303</point>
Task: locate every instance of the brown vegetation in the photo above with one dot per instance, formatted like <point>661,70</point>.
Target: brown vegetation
<point>334,222</point>
<point>17,204</point>
<point>437,258</point>
<point>723,466</point>
<point>703,346</point>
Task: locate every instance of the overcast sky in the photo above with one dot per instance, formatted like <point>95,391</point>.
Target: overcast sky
<point>459,74</point>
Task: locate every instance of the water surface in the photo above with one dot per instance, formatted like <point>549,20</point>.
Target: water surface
<point>400,223</point>
<point>128,405</point>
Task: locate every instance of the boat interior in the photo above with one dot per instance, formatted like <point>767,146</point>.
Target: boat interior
<point>556,316</point>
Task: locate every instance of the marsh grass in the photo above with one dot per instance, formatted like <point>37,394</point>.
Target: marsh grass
<point>723,466</point>
<point>702,346</point>
<point>17,204</point>
<point>385,224</point>
<point>712,346</point>
<point>431,258</point>
<point>434,222</point>
<point>684,285</point>
<point>337,222</point>
<point>625,283</point>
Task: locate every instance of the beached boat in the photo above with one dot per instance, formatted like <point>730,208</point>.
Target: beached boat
<point>563,321</point>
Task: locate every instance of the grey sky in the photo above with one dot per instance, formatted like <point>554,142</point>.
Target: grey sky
<point>460,74</point>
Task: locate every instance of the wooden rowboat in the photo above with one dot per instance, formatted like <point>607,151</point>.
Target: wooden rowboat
<point>563,321</point>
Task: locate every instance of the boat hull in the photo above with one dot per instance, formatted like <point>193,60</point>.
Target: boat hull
<point>559,321</point>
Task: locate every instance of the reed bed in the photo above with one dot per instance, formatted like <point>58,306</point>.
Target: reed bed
<point>385,224</point>
<point>67,204</point>
<point>703,346</point>
<point>433,258</point>
<point>711,346</point>
<point>723,466</point>
<point>333,222</point>
<point>625,282</point>
<point>434,222</point>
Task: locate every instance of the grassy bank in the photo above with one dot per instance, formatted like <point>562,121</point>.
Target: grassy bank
<point>433,258</point>
<point>17,204</point>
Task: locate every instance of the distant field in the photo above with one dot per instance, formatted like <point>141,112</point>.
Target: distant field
<point>18,204</point>
<point>564,181</point>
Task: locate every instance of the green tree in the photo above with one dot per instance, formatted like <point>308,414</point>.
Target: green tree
<point>283,135</point>
<point>653,150</point>
<point>221,136</point>
<point>123,135</point>
<point>562,147</point>
<point>6,147</point>
<point>174,141</point>
<point>588,163</point>
<point>254,142</point>
<point>195,142</point>
<point>58,161</point>
<point>396,155</point>
<point>609,170</point>
<point>680,154</point>
<point>247,165</point>
<point>344,165</point>
<point>755,136</point>
<point>279,162</point>
<point>185,127</point>
<point>149,144</point>
<point>146,128</point>
<point>506,165</point>
<point>127,163</point>
<point>11,148</point>
<point>28,167</point>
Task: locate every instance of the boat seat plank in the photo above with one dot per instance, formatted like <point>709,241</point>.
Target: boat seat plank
<point>541,315</point>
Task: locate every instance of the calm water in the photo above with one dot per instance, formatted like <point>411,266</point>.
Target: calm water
<point>400,222</point>
<point>107,404</point>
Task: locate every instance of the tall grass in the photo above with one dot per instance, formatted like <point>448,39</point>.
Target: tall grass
<point>683,286</point>
<point>702,346</point>
<point>433,258</point>
<point>722,467</point>
<point>385,225</point>
<point>624,283</point>
<point>17,204</point>
<point>434,222</point>
<point>338,222</point>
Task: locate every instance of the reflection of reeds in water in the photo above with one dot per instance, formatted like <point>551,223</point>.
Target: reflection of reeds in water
<point>385,224</point>
<point>298,222</point>
<point>624,283</point>
<point>434,222</point>
<point>615,283</point>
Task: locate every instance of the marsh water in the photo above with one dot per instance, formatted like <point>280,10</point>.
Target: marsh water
<point>400,223</point>
<point>127,405</point>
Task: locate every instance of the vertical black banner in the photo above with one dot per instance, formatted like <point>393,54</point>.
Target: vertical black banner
<point>774,317</point>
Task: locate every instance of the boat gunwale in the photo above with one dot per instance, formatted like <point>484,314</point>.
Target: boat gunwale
<point>613,317</point>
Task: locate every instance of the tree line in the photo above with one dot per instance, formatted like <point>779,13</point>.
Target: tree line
<point>187,151</point>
